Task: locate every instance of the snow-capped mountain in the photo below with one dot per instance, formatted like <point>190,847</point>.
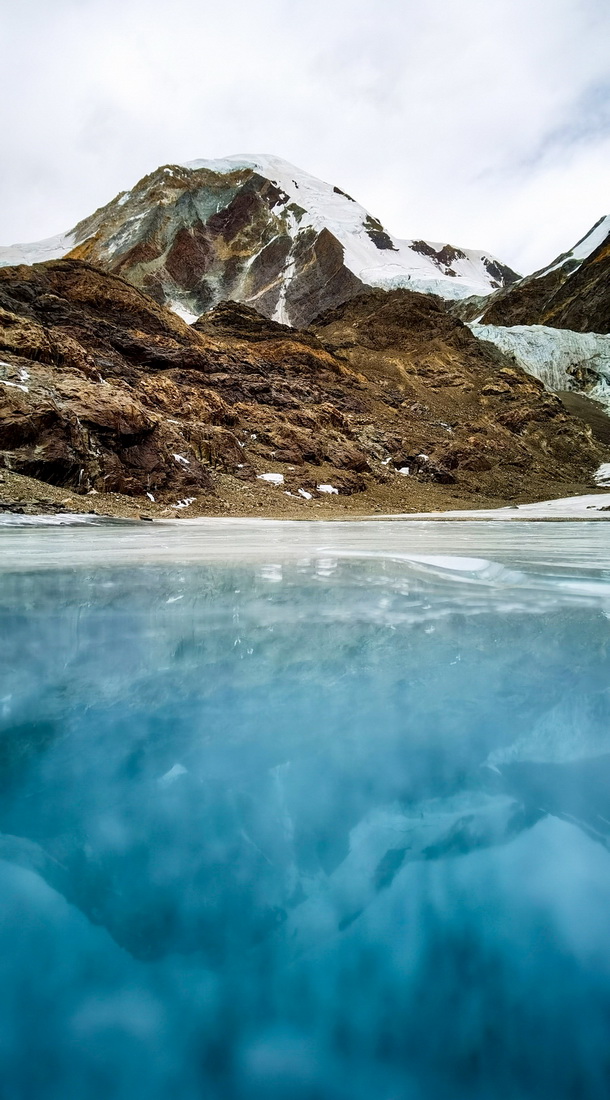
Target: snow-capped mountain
<point>257,230</point>
<point>572,292</point>
<point>556,323</point>
<point>569,262</point>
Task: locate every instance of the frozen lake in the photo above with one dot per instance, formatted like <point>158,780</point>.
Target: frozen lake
<point>297,810</point>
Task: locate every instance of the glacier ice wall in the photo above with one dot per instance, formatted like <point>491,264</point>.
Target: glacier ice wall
<point>562,359</point>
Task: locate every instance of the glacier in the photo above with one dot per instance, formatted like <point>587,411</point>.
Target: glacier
<point>560,358</point>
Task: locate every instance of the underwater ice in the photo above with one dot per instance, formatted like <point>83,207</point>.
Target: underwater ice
<point>316,826</point>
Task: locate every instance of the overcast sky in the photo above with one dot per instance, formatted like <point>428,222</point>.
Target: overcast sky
<point>485,123</point>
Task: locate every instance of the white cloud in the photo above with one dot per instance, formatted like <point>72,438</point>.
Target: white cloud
<point>479,122</point>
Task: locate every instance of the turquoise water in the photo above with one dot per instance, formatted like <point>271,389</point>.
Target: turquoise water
<point>299,811</point>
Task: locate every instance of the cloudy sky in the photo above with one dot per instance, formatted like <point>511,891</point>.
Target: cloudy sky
<point>485,123</point>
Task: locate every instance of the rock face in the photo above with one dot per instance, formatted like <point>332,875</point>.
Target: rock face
<point>260,231</point>
<point>102,389</point>
<point>571,293</point>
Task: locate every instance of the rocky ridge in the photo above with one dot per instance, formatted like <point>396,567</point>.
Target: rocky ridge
<point>386,403</point>
<point>573,292</point>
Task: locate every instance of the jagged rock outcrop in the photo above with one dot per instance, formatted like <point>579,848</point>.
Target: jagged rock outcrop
<point>102,389</point>
<point>571,293</point>
<point>260,231</point>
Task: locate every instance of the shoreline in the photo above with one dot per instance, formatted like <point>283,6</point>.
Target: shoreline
<point>22,496</point>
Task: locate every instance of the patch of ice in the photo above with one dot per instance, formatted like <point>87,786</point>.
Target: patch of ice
<point>186,503</point>
<point>303,493</point>
<point>272,572</point>
<point>404,470</point>
<point>273,479</point>
<point>150,497</point>
<point>181,459</point>
<point>602,475</point>
<point>15,385</point>
<point>326,489</point>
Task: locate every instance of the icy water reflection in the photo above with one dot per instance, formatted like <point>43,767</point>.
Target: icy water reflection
<point>307,825</point>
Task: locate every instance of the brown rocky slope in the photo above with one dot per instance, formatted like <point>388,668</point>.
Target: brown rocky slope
<point>105,397</point>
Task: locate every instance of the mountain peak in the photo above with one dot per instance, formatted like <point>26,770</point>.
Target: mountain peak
<point>257,229</point>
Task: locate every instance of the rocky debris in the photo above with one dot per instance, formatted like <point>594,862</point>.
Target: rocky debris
<point>469,409</point>
<point>386,399</point>
<point>593,414</point>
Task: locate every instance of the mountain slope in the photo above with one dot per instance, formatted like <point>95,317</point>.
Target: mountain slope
<point>260,231</point>
<point>573,292</point>
<point>389,402</point>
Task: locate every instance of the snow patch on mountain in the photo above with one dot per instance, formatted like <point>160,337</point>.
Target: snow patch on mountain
<point>181,311</point>
<point>560,358</point>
